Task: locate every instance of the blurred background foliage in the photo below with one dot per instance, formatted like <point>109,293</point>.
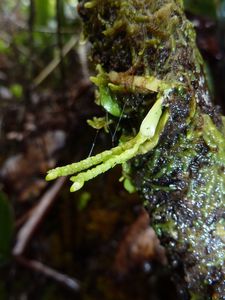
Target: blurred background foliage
<point>33,32</point>
<point>42,64</point>
<point>206,8</point>
<point>6,228</point>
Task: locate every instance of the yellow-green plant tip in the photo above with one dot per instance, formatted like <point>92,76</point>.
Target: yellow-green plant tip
<point>90,4</point>
<point>77,185</point>
<point>128,185</point>
<point>50,176</point>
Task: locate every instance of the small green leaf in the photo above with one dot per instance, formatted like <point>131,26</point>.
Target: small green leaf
<point>17,90</point>
<point>6,228</point>
<point>104,97</point>
<point>99,123</point>
<point>108,102</point>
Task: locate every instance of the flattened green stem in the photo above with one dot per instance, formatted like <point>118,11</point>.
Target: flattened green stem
<point>125,81</point>
<point>81,178</point>
<point>88,162</point>
<point>141,144</point>
<point>147,132</point>
<point>139,83</point>
<point>118,155</point>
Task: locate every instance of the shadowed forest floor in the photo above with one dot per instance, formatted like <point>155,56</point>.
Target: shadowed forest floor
<point>96,243</point>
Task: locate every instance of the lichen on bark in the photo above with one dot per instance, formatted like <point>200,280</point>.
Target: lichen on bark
<point>150,69</point>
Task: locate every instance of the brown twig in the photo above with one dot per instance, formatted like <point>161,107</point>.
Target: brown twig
<point>63,279</point>
<point>25,233</point>
<point>82,53</point>
<point>55,62</point>
<point>21,220</point>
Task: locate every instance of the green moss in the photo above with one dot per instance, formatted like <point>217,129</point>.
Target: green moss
<point>189,217</point>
